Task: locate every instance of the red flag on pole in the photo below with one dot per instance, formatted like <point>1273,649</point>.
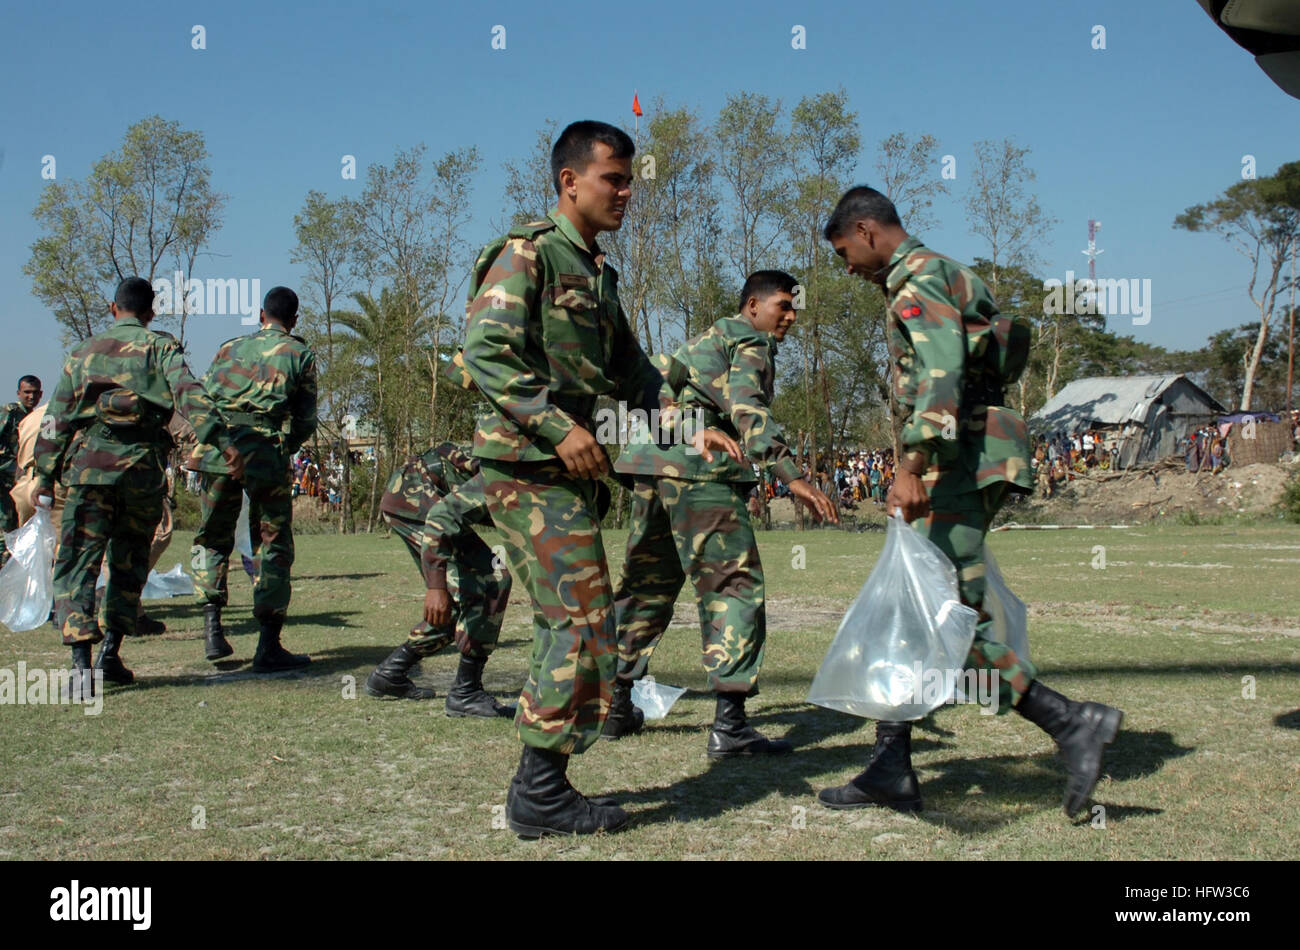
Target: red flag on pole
<point>636,105</point>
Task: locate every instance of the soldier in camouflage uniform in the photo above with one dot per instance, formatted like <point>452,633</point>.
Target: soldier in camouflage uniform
<point>962,451</point>
<point>103,437</point>
<point>264,385</point>
<point>433,504</point>
<point>11,416</point>
<point>546,336</point>
<point>690,518</point>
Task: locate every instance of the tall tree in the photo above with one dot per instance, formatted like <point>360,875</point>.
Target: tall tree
<point>1002,211</point>
<point>907,175</point>
<point>326,245</point>
<point>149,202</point>
<point>1260,218</point>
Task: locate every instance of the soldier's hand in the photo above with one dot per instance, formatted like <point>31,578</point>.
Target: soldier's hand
<point>707,439</point>
<point>234,461</point>
<point>908,494</point>
<point>437,608</point>
<point>821,506</point>
<point>581,454</point>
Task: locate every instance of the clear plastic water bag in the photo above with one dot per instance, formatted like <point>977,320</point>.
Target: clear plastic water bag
<point>654,699</point>
<point>1010,616</point>
<point>904,640</point>
<point>175,583</point>
<point>27,580</point>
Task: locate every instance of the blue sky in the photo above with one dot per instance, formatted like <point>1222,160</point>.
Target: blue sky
<point>1130,135</point>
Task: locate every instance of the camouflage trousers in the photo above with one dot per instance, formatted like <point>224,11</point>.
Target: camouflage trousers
<point>105,522</point>
<point>478,594</point>
<point>8,518</point>
<point>701,530</point>
<point>958,525</point>
<point>551,533</point>
<point>270,526</point>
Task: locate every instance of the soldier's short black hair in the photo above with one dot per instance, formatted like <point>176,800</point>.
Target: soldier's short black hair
<point>281,303</point>
<point>859,204</point>
<point>134,295</point>
<point>573,149</point>
<point>764,283</point>
<point>33,381</point>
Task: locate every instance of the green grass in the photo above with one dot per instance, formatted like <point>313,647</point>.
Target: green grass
<point>289,767</point>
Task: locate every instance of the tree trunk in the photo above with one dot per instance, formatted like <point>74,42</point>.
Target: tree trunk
<point>374,484</point>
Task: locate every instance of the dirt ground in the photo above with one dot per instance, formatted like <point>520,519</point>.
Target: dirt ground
<point>1166,490</point>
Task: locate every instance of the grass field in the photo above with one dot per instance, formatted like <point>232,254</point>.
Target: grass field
<point>197,762</point>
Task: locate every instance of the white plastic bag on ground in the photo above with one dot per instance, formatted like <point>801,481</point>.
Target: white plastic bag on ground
<point>175,583</point>
<point>1010,616</point>
<point>26,582</point>
<point>904,640</point>
<point>654,699</point>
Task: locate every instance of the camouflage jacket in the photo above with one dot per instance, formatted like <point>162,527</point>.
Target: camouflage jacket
<point>10,417</point>
<point>729,376</point>
<point>546,336</point>
<point>418,485</point>
<point>449,521</point>
<point>947,391</point>
<point>109,411</point>
<point>264,384</point>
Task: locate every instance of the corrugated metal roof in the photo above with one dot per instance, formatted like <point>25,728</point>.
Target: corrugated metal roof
<point>1109,400</point>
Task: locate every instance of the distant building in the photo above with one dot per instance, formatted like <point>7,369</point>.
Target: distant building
<point>1146,416</point>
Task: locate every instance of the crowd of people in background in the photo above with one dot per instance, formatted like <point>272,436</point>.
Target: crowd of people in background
<point>322,481</point>
<point>859,476</point>
<point>1205,450</point>
<point>1061,457</point>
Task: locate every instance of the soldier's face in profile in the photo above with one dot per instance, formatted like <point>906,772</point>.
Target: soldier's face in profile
<point>604,189</point>
<point>773,314</point>
<point>856,247</point>
<point>29,395</point>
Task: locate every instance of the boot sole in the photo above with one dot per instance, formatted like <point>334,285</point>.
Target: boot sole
<point>533,832</point>
<point>904,806</point>
<point>747,751</point>
<point>219,656</point>
<point>474,715</point>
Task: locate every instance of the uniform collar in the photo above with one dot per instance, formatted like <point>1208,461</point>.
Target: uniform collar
<point>898,272</point>
<point>128,322</point>
<point>565,227</point>
<point>273,328</point>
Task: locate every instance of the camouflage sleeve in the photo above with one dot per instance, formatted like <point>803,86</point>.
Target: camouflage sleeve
<point>751,413</point>
<point>57,429</point>
<point>452,517</point>
<point>497,337</point>
<point>302,407</point>
<point>932,384</point>
<point>642,385</point>
<point>191,399</point>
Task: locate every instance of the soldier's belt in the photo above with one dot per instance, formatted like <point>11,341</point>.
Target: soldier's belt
<point>132,435</point>
<point>983,394</point>
<point>253,420</point>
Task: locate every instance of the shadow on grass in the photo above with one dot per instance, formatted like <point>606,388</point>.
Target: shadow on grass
<point>1003,782</point>
<point>1290,720</point>
<point>338,577</point>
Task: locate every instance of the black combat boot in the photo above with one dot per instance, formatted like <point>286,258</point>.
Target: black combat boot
<point>392,677</point>
<point>467,696</point>
<point>624,718</point>
<point>1081,730</point>
<point>888,778</point>
<point>733,735</point>
<point>82,681</point>
<point>541,801</point>
<point>215,644</point>
<point>146,626</point>
<point>109,663</point>
<point>270,656</point>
